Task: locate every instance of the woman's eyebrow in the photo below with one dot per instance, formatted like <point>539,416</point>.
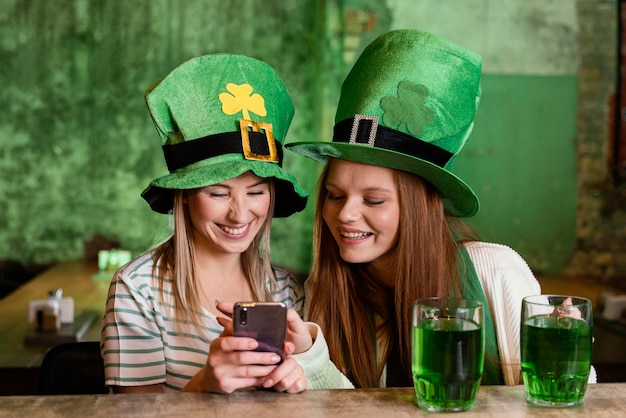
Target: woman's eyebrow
<point>365,190</point>
<point>258,183</point>
<point>261,181</point>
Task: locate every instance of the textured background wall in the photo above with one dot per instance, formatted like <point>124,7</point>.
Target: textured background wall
<point>601,213</point>
<point>77,144</point>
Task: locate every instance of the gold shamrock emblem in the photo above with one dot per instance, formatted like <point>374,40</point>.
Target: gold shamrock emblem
<point>241,99</point>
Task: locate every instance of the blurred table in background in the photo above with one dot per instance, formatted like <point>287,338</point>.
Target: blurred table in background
<point>19,362</point>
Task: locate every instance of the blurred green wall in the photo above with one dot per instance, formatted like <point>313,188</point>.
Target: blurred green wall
<point>522,164</point>
<point>77,144</point>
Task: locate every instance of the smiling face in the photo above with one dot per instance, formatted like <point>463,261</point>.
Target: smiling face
<point>361,210</point>
<point>227,216</point>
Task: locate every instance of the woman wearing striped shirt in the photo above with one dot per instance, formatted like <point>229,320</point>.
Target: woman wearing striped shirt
<point>222,119</point>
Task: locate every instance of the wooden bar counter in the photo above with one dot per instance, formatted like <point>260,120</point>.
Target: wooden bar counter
<point>601,400</point>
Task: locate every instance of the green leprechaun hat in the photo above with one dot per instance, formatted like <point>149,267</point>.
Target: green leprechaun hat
<point>220,116</point>
<point>408,103</point>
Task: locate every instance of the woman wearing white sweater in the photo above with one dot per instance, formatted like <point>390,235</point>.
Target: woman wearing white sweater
<point>388,224</point>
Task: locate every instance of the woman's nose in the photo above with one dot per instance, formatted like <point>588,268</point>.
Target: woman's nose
<point>238,209</point>
<point>348,211</point>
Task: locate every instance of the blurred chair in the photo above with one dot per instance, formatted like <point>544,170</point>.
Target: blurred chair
<point>72,369</point>
<point>12,275</point>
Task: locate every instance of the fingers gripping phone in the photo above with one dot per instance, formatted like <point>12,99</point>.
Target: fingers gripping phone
<point>266,322</point>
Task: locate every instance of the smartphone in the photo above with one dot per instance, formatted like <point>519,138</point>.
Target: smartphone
<point>266,322</point>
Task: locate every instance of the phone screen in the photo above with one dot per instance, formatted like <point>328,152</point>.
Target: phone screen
<point>266,322</point>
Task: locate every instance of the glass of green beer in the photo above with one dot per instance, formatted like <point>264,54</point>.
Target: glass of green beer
<point>448,349</point>
<point>555,349</point>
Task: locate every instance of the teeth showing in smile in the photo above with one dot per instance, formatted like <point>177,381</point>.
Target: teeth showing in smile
<point>235,231</point>
<point>355,235</point>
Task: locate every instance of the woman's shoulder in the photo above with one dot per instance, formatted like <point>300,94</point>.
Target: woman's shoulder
<point>497,264</point>
<point>138,265</point>
<point>139,271</point>
<point>493,253</point>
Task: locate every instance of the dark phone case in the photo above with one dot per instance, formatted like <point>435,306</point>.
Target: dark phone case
<point>266,322</point>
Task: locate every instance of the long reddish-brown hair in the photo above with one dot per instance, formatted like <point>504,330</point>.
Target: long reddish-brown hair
<point>346,298</point>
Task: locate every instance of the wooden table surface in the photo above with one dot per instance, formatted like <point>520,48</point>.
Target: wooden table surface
<point>602,400</point>
<point>75,278</point>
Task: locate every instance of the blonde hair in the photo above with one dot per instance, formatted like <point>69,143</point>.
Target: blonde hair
<point>346,298</point>
<point>175,258</point>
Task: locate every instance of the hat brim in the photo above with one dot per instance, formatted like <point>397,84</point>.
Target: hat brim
<point>290,196</point>
<point>458,198</point>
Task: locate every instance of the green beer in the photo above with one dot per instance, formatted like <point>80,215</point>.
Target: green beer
<point>447,363</point>
<point>556,358</point>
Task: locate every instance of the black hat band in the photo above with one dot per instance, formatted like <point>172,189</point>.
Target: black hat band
<point>253,144</point>
<point>366,130</point>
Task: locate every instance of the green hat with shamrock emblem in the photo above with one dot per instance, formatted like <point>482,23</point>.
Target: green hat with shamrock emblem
<point>220,116</point>
<point>408,103</point>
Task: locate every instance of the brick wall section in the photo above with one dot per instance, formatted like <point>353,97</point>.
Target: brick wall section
<point>600,253</point>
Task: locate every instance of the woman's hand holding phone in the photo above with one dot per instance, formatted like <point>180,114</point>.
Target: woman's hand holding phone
<point>233,364</point>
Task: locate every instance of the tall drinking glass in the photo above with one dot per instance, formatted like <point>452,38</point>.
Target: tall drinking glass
<point>448,350</point>
<point>555,348</point>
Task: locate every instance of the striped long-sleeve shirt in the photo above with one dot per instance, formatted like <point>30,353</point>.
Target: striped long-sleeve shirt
<point>139,342</point>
